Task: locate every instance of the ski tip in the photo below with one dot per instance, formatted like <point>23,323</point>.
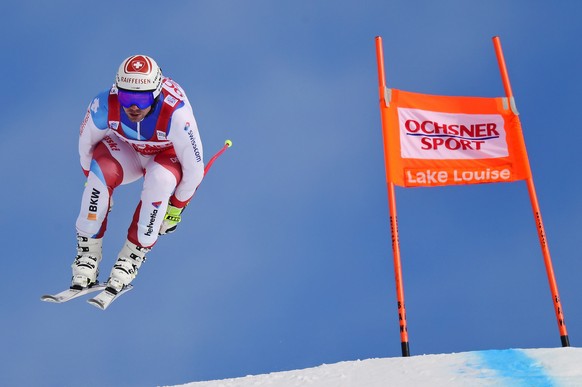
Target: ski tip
<point>48,298</point>
<point>97,304</point>
<point>106,297</point>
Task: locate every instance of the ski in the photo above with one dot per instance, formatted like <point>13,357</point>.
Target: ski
<point>106,297</point>
<point>71,293</point>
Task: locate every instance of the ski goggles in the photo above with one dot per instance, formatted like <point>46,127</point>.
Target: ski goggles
<point>142,99</point>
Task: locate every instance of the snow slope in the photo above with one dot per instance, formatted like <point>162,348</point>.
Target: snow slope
<point>512,367</point>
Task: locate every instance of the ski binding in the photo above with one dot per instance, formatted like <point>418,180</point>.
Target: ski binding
<point>72,293</point>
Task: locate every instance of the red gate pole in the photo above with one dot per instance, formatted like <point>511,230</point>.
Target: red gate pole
<point>392,207</point>
<point>536,209</point>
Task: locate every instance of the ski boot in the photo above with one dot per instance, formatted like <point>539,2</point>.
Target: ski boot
<point>86,264</point>
<point>126,267</point>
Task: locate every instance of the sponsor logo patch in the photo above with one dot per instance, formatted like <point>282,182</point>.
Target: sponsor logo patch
<point>439,136</point>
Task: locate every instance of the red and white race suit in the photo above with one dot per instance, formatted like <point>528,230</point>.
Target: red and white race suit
<point>164,148</point>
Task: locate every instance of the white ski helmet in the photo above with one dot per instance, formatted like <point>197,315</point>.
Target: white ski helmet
<point>139,73</point>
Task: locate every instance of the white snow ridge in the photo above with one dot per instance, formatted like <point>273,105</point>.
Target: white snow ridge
<point>553,367</point>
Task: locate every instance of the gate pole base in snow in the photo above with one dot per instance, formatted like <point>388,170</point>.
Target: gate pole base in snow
<point>405,349</point>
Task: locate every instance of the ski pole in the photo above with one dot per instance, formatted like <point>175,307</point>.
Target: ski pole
<point>227,144</point>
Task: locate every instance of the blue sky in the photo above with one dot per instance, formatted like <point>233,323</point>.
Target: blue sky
<point>283,260</point>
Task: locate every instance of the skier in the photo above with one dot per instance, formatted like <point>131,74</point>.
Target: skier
<point>143,126</point>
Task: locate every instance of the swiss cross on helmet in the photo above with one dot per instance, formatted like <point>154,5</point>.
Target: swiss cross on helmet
<point>139,73</point>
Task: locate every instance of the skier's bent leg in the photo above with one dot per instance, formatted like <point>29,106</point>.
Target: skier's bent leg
<point>104,176</point>
<point>159,184</point>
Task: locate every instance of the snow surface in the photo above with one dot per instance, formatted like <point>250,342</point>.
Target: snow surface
<point>554,367</point>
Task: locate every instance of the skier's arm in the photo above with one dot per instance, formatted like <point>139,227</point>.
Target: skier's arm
<point>188,146</point>
<point>93,129</point>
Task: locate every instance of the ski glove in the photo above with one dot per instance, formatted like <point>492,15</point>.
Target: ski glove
<point>171,219</point>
